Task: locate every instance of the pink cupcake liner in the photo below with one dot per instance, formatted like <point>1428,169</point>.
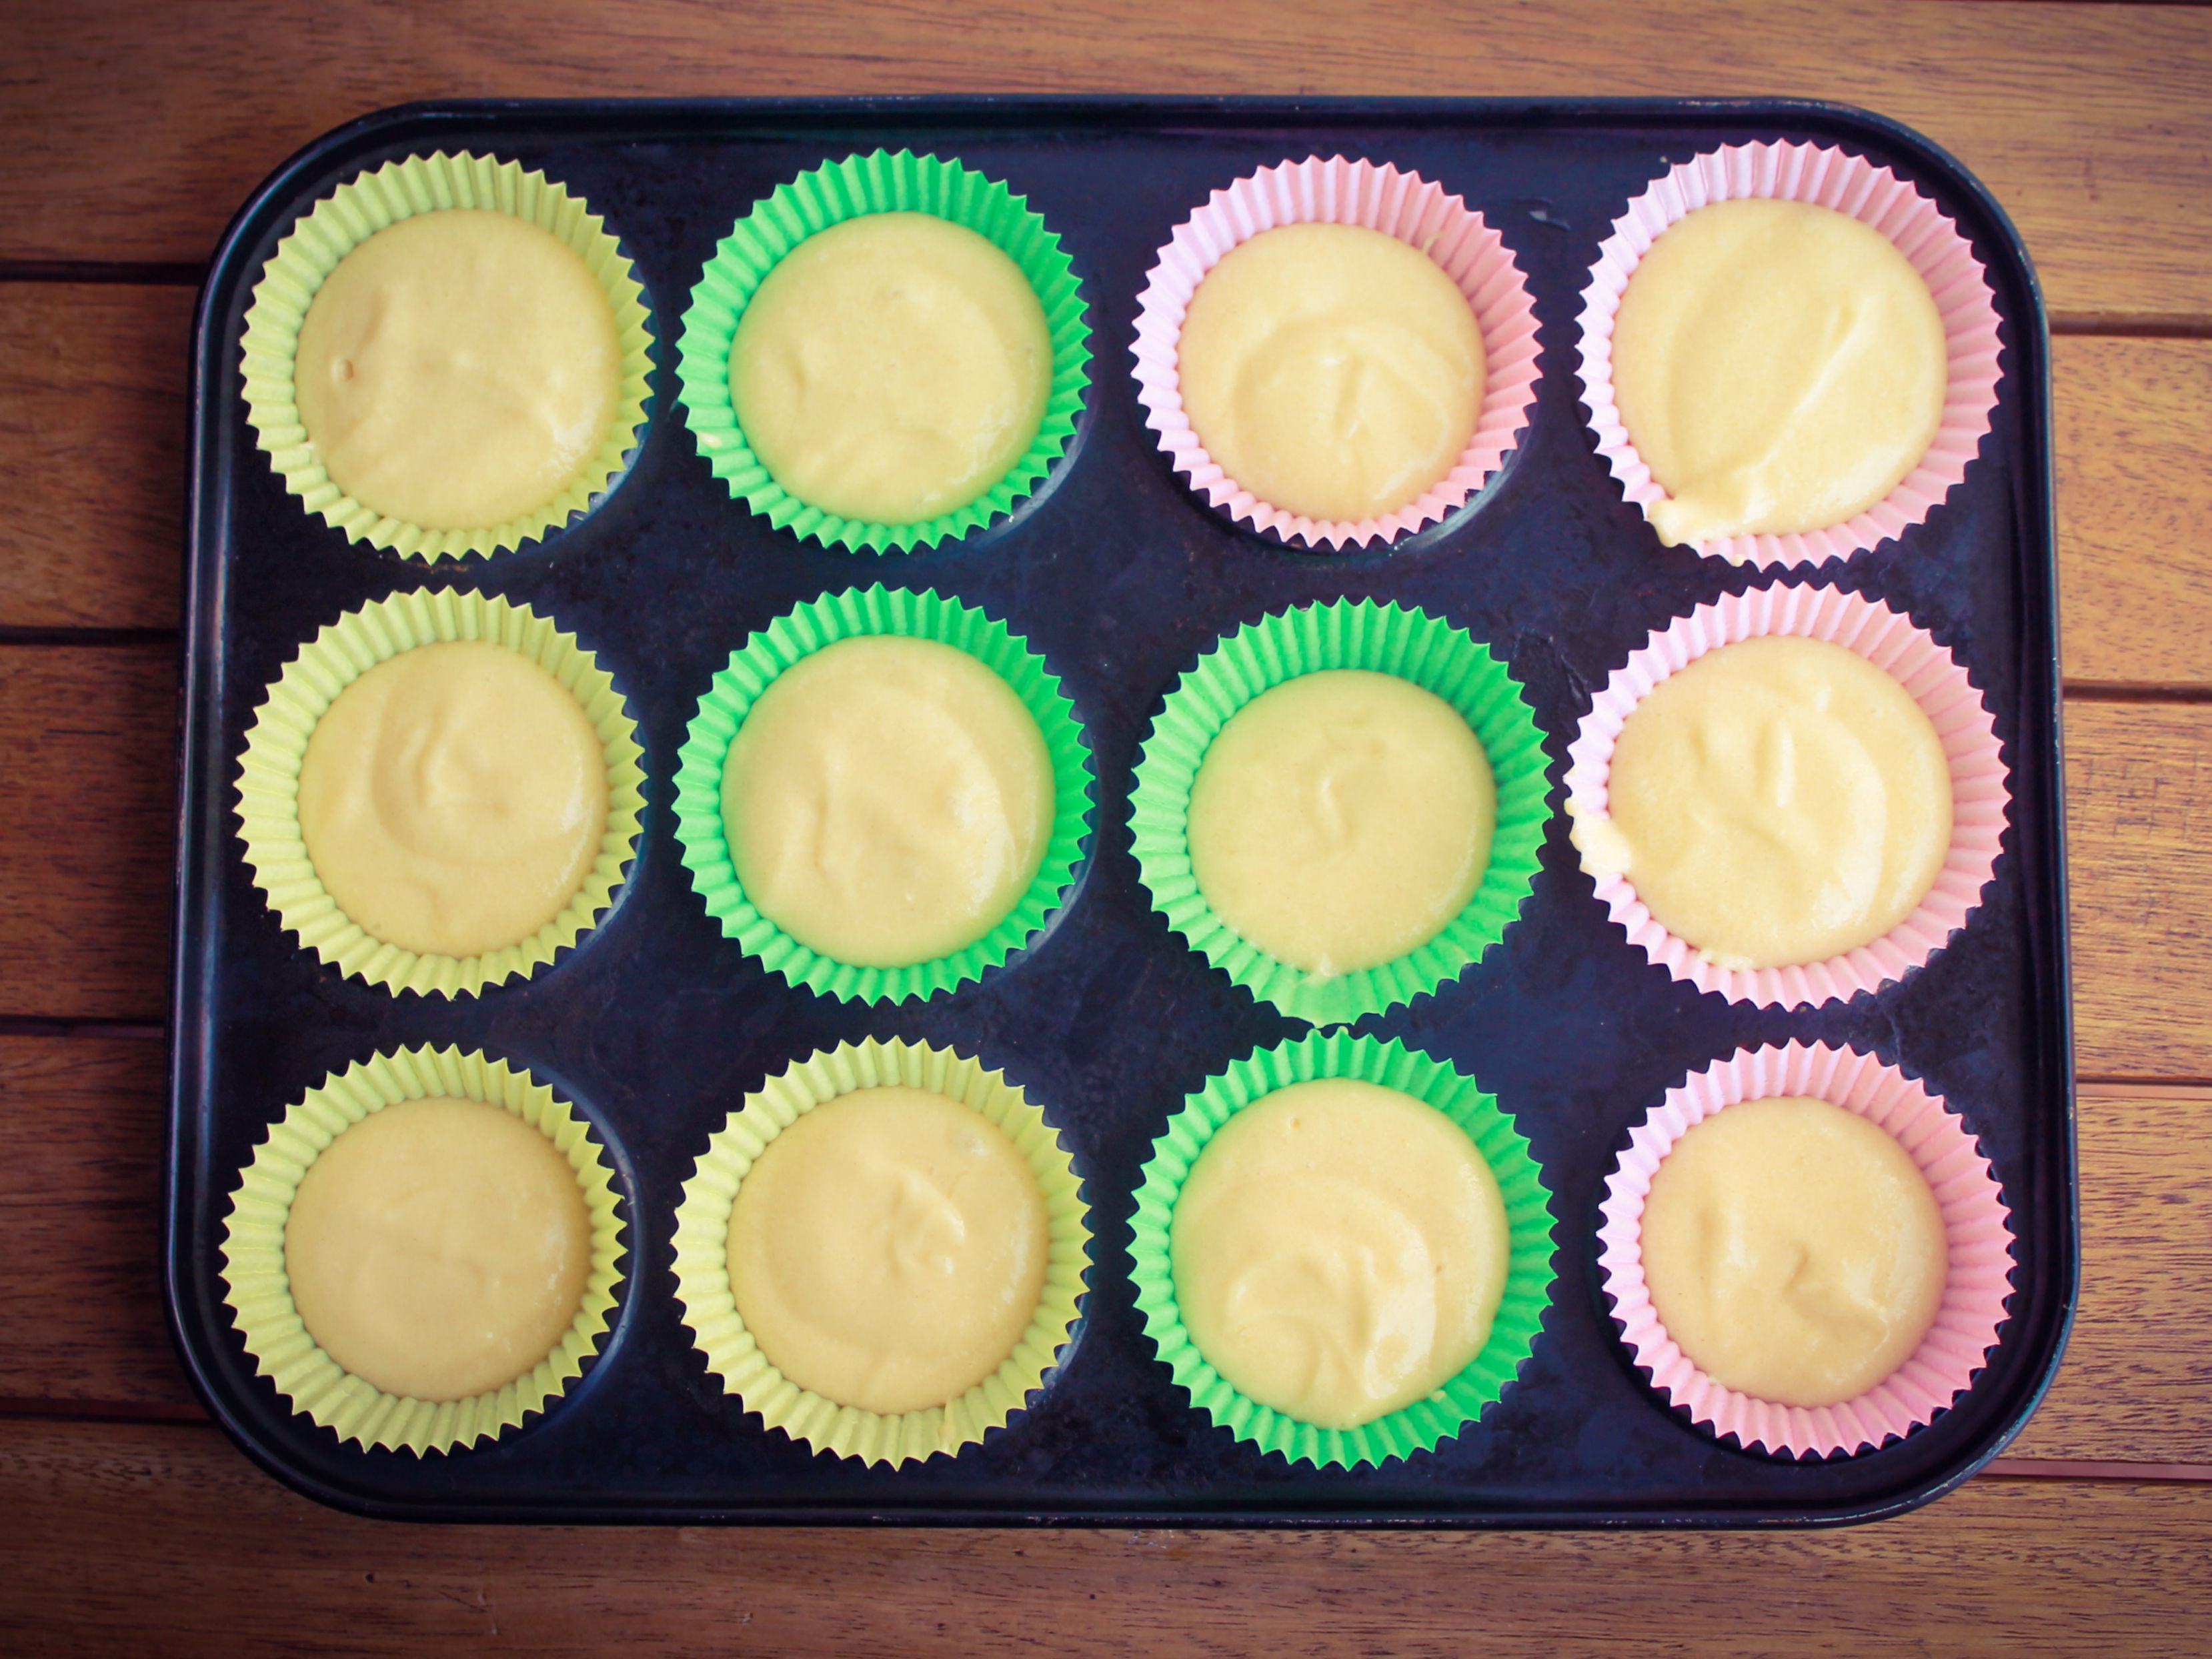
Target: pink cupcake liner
<point>1339,191</point>
<point>1975,1224</point>
<point>1935,679</point>
<point>1873,195</point>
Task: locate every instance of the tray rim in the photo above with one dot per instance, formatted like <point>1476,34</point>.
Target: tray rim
<point>198,737</point>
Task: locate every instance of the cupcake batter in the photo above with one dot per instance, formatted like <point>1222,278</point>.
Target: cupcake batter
<point>1333,371</point>
<point>1794,1250</point>
<point>1340,819</point>
<point>454,798</point>
<point>887,801</point>
<point>891,368</point>
<point>458,369</point>
<point>888,1249</point>
<point>1340,1250</point>
<point>1780,367</point>
<point>1778,801</point>
<point>438,1249</point>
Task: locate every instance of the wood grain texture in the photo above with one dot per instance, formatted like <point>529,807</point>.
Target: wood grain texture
<point>128,1539</point>
<point>92,428</point>
<point>86,857</point>
<point>87,839</point>
<point>2090,123</point>
<point>92,454</point>
<point>2134,426</point>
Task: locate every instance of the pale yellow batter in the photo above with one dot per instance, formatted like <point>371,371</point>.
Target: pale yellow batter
<point>1340,819</point>
<point>1339,1249</point>
<point>891,368</point>
<point>1779,801</point>
<point>888,1249</point>
<point>458,369</point>
<point>453,798</point>
<point>1794,1251</point>
<point>1332,370</point>
<point>438,1248</point>
<point>1779,366</point>
<point>887,801</point>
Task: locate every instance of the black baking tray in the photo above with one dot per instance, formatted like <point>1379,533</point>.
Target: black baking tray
<point>657,1026</point>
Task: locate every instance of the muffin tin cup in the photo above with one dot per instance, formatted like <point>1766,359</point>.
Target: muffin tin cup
<point>878,183</point>
<point>704,841</point>
<point>1403,205</point>
<point>268,787</point>
<point>258,1292</point>
<point>1930,676</point>
<point>1415,647</point>
<point>356,211</point>
<point>1875,197</point>
<point>1976,1223</point>
<point>1513,1331</point>
<point>702,1271</point>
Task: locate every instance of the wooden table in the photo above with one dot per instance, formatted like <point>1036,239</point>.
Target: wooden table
<point>128,1523</point>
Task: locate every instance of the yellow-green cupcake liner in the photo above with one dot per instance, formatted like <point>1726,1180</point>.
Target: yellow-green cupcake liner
<point>259,1294</point>
<point>268,802</point>
<point>1513,1330</point>
<point>1415,647</point>
<point>704,839</point>
<point>353,213</point>
<point>879,183</point>
<point>702,1271</point>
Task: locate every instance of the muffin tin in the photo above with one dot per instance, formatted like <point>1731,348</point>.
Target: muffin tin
<point>656,1025</point>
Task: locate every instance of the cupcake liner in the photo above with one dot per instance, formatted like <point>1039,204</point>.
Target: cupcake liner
<point>269,785</point>
<point>1874,196</point>
<point>1413,646</point>
<point>1975,1220</point>
<point>259,1296</point>
<point>1344,192</point>
<point>353,213</point>
<point>1461,1400</point>
<point>702,1271</point>
<point>880,183</point>
<point>925,615</point>
<point>1935,679</point>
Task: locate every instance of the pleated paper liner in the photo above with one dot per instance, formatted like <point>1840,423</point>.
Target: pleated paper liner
<point>1414,646</point>
<point>1930,674</point>
<point>702,1272</point>
<point>268,782</point>
<point>1403,205</point>
<point>1874,196</point>
<point>259,1294</point>
<point>1461,1400</point>
<point>356,211</point>
<point>1976,1224</point>
<point>704,841</point>
<point>877,183</point>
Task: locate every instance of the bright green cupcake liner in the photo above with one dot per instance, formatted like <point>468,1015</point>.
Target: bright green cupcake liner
<point>705,844</point>
<point>1413,646</point>
<point>269,784</point>
<point>356,211</point>
<point>881,183</point>
<point>259,1294</point>
<point>702,1271</point>
<point>1513,1331</point>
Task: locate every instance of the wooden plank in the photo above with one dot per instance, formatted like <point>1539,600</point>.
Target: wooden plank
<point>91,454</point>
<point>2139,827</point>
<point>101,471</point>
<point>123,1538</point>
<point>2090,123</point>
<point>80,1149</point>
<point>81,1137</point>
<point>2134,424</point>
<point>87,843</point>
